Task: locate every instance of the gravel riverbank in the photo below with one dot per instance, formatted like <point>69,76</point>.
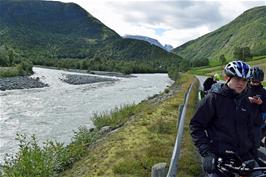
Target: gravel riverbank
<point>26,82</point>
<point>84,79</point>
<point>20,82</point>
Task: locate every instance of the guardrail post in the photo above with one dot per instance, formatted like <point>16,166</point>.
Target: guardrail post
<point>159,170</point>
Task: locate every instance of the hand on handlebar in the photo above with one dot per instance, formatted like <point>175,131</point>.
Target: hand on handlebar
<point>209,163</point>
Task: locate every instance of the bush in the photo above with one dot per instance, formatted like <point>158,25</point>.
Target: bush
<point>8,72</point>
<point>173,73</point>
<point>24,68</point>
<point>242,53</point>
<point>184,65</point>
<point>200,62</point>
<point>81,140</point>
<point>33,160</point>
<point>222,59</point>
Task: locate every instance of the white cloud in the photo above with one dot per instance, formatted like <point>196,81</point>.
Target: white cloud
<point>170,21</point>
<point>232,9</point>
<point>179,37</point>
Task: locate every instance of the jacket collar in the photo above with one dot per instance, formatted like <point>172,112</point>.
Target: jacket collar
<point>223,89</point>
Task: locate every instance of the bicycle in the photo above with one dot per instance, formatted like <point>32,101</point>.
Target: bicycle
<point>230,165</point>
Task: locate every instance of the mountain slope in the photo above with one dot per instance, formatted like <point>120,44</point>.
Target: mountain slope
<point>247,30</point>
<point>53,17</point>
<point>134,49</point>
<point>50,27</point>
<point>64,30</point>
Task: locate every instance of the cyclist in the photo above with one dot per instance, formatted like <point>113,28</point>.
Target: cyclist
<point>208,83</point>
<point>257,95</point>
<point>224,120</point>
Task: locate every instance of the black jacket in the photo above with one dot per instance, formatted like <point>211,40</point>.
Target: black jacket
<point>224,121</point>
<point>261,92</point>
<point>208,83</point>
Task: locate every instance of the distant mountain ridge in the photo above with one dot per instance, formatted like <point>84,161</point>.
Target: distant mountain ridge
<point>65,30</point>
<point>247,30</point>
<point>152,41</point>
<point>168,47</point>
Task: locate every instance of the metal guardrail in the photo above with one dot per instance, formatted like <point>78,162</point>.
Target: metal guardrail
<point>176,152</point>
<point>180,109</point>
<point>160,170</point>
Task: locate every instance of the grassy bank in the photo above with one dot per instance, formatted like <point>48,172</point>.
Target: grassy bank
<point>146,139</point>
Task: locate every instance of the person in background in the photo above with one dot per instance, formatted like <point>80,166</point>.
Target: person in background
<point>224,120</point>
<point>209,82</point>
<point>257,95</point>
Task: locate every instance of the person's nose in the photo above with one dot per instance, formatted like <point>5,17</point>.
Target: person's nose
<point>241,82</point>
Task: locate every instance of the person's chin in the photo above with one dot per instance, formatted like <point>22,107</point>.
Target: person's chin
<point>239,90</point>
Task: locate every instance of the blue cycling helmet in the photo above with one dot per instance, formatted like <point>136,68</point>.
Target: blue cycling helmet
<point>238,69</point>
<point>258,74</point>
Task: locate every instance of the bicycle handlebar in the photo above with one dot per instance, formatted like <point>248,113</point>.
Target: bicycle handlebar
<point>241,170</point>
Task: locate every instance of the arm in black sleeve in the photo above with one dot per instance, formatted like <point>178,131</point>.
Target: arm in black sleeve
<point>199,123</point>
<point>253,131</point>
<point>263,105</point>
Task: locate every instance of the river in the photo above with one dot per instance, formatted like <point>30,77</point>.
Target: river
<point>54,112</point>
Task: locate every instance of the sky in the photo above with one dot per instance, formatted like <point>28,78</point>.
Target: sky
<point>171,22</point>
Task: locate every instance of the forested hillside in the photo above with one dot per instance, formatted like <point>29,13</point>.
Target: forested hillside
<point>247,33</point>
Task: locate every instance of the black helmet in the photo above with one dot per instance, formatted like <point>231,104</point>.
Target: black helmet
<point>257,74</point>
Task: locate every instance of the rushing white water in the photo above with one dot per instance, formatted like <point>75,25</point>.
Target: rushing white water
<point>54,112</point>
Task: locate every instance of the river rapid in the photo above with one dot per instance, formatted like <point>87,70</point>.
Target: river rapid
<point>54,112</point>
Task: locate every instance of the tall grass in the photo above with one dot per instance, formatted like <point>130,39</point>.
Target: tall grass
<point>48,159</point>
<point>115,118</point>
